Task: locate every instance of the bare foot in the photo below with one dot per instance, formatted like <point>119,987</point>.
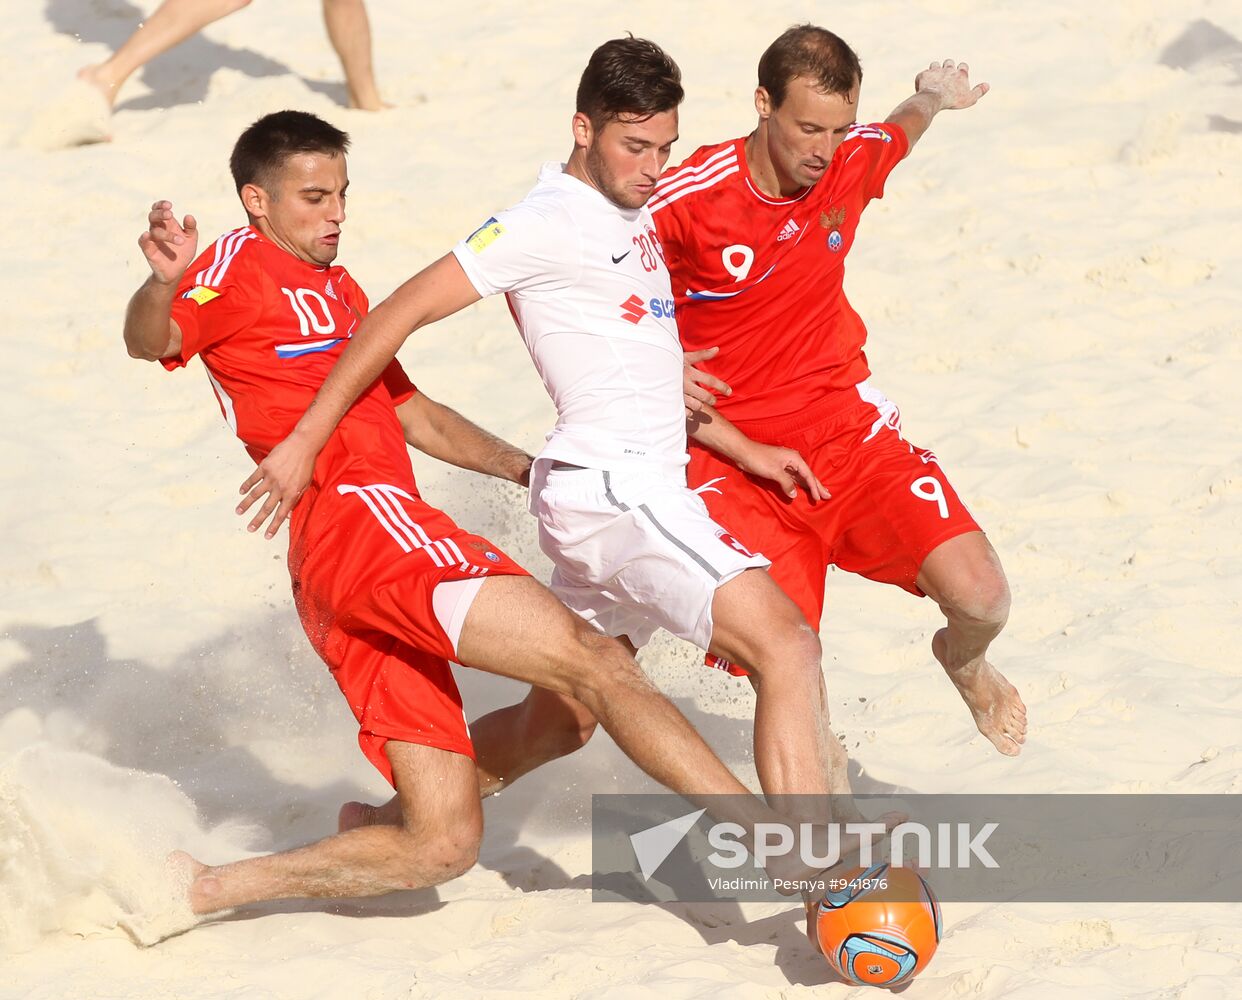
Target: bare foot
<point>94,76</point>
<point>994,702</point>
<point>356,814</point>
<point>203,889</point>
<point>368,101</point>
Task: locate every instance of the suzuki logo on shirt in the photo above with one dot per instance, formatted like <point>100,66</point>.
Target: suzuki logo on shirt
<point>634,309</point>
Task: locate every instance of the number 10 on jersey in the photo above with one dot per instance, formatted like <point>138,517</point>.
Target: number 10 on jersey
<point>311,310</point>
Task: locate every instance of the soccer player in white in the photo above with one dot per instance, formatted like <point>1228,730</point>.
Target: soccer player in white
<point>633,547</point>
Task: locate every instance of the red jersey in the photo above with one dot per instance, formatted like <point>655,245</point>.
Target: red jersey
<point>761,278</point>
<point>269,328</point>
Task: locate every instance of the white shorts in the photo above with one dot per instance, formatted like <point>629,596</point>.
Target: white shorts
<point>634,552</point>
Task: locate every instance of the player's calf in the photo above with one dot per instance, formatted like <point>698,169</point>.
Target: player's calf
<point>508,743</point>
<point>964,576</point>
<point>516,739</point>
<point>782,656</point>
<point>555,724</point>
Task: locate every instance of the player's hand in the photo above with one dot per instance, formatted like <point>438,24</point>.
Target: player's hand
<point>281,478</point>
<point>697,386</point>
<point>950,82</point>
<point>786,468</point>
<point>170,246</point>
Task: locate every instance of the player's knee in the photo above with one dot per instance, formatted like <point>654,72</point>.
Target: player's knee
<point>602,668</point>
<point>570,644</point>
<point>447,854</point>
<point>791,651</point>
<point>805,645</point>
<point>982,597</point>
<point>232,6</point>
<point>803,649</point>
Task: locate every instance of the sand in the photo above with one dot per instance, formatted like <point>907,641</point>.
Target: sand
<point>1053,290</point>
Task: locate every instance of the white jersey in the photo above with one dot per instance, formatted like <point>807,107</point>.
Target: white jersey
<point>587,285</point>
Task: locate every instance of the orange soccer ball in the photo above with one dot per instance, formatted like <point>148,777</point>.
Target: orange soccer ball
<point>878,926</point>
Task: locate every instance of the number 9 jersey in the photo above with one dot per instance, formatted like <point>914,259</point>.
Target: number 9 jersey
<point>761,277</point>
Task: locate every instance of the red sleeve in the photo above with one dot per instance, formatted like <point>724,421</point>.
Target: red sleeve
<point>398,384</point>
<point>207,315</point>
<point>882,153</point>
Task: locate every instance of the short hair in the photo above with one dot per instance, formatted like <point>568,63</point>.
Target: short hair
<point>630,77</point>
<point>261,151</point>
<point>813,52</point>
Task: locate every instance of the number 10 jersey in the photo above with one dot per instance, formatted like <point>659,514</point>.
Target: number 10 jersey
<point>269,327</point>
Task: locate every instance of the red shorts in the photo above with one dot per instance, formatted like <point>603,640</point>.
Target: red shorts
<point>363,587</point>
<point>891,502</point>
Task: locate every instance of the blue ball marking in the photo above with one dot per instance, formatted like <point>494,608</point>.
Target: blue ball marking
<point>858,945</point>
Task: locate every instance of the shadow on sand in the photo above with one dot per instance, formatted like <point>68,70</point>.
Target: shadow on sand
<point>196,720</point>
<point>1203,45</point>
<point>181,75</point>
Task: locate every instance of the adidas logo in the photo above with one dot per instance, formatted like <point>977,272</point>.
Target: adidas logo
<point>789,229</point>
<point>328,290</point>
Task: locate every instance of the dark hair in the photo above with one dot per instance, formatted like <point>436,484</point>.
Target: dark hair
<point>631,76</point>
<point>816,53</point>
<point>260,152</point>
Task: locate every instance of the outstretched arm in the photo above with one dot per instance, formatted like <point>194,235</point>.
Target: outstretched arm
<point>170,247</point>
<point>443,433</point>
<point>439,290</point>
<point>941,87</point>
<point>783,466</point>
